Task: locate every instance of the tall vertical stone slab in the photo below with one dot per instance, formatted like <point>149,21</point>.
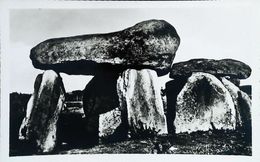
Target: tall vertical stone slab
<point>204,103</point>
<point>242,104</point>
<point>140,97</point>
<point>39,127</point>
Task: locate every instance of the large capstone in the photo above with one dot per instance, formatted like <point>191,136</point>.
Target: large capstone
<point>140,96</point>
<point>39,127</point>
<point>203,104</point>
<point>148,44</point>
<point>224,67</point>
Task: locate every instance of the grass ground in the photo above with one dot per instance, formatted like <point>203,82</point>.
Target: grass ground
<point>218,142</point>
<point>210,143</point>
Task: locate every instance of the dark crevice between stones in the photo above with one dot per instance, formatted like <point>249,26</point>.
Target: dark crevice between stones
<point>247,89</point>
<point>100,94</point>
<point>85,67</point>
<point>18,105</point>
<point>245,113</point>
<point>74,131</point>
<point>173,88</point>
<point>120,134</point>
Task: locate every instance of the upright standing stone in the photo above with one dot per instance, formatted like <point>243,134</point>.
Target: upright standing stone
<point>204,103</point>
<point>242,104</point>
<point>140,96</point>
<point>40,124</point>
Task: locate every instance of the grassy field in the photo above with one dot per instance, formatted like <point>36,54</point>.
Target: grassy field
<point>209,143</point>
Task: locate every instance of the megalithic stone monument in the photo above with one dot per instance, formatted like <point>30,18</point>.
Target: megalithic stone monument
<point>208,84</point>
<point>150,45</point>
<point>203,104</point>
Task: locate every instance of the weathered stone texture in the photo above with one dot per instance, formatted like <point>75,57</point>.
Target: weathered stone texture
<point>150,44</point>
<point>224,67</point>
<point>242,103</point>
<point>140,96</point>
<point>40,124</point>
<point>109,122</point>
<point>203,104</point>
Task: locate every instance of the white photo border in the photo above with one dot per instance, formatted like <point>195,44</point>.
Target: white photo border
<point>5,57</point>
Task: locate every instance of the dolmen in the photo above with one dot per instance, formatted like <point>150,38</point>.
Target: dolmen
<point>205,95</point>
<point>123,92</point>
<point>124,99</point>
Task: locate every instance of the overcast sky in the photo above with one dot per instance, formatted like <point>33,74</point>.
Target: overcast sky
<point>219,32</point>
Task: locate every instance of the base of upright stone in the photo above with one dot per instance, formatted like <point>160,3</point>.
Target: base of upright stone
<point>111,126</point>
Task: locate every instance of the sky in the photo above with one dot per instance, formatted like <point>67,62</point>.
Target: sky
<point>205,32</point>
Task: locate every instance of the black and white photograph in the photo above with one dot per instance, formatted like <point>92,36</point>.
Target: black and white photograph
<point>82,80</point>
